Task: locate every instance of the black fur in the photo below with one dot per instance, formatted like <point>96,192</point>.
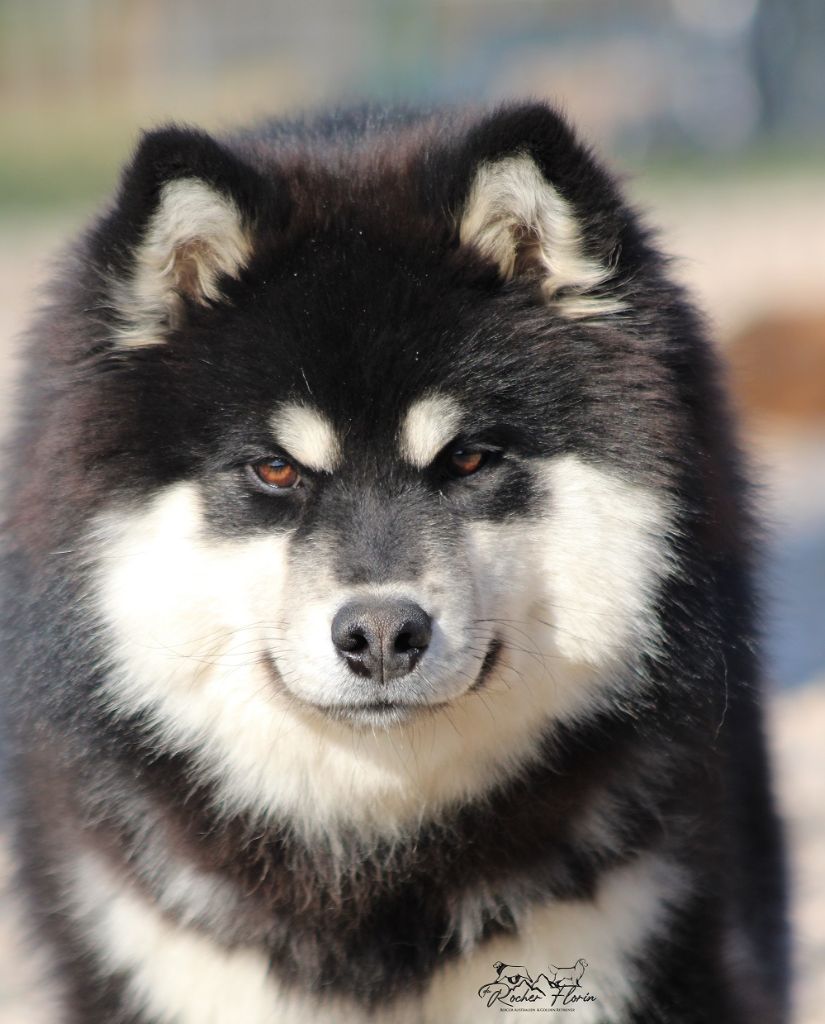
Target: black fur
<point>359,291</point>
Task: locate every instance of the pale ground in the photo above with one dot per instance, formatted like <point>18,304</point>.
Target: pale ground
<point>746,249</point>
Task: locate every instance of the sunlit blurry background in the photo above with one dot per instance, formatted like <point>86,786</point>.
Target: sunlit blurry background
<point>713,111</point>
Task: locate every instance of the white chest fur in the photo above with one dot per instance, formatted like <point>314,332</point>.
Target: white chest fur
<point>179,976</point>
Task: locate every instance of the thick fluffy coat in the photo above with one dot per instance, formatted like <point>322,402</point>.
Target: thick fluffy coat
<point>366,365</point>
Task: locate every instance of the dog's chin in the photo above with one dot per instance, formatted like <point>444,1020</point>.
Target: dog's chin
<point>385,714</point>
<point>377,715</point>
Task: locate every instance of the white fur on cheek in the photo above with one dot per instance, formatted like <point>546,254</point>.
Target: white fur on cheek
<point>307,435</point>
<point>179,604</point>
<point>429,424</point>
<point>583,607</point>
<point>606,551</point>
<point>191,620</point>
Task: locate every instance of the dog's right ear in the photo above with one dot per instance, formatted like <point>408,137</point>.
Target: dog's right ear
<point>185,219</point>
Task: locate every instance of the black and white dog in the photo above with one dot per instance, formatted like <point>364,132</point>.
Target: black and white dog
<point>378,600</point>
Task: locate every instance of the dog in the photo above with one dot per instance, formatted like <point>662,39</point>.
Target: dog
<point>511,974</point>
<point>378,593</point>
<point>567,975</point>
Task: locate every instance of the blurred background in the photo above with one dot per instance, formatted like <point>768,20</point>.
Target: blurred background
<point>713,111</point>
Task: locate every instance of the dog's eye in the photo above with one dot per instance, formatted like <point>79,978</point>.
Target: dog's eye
<point>278,474</point>
<point>466,461</point>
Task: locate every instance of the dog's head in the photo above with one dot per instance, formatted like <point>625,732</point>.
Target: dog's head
<point>375,450</point>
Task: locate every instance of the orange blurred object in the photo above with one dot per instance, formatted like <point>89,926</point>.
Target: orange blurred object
<point>778,367</point>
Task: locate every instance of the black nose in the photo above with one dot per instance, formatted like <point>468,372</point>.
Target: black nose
<point>381,639</point>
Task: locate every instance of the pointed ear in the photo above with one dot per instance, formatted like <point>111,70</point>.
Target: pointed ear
<point>185,221</point>
<point>527,209</point>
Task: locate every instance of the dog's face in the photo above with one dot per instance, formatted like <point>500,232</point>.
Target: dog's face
<point>380,501</point>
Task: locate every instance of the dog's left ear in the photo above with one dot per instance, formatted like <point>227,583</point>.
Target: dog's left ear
<point>534,203</point>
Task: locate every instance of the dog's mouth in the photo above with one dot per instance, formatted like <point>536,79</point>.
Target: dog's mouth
<point>387,713</point>
<point>487,665</point>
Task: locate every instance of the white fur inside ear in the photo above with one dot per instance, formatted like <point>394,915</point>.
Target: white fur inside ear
<point>514,216</point>
<point>195,236</point>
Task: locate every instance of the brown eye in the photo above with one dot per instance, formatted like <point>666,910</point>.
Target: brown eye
<point>277,473</point>
<point>466,461</point>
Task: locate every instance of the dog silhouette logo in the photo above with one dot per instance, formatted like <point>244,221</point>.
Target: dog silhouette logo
<point>568,975</point>
<point>512,974</point>
<point>516,987</point>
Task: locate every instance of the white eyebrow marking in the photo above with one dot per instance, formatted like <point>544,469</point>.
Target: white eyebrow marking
<point>429,424</point>
<point>308,435</point>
